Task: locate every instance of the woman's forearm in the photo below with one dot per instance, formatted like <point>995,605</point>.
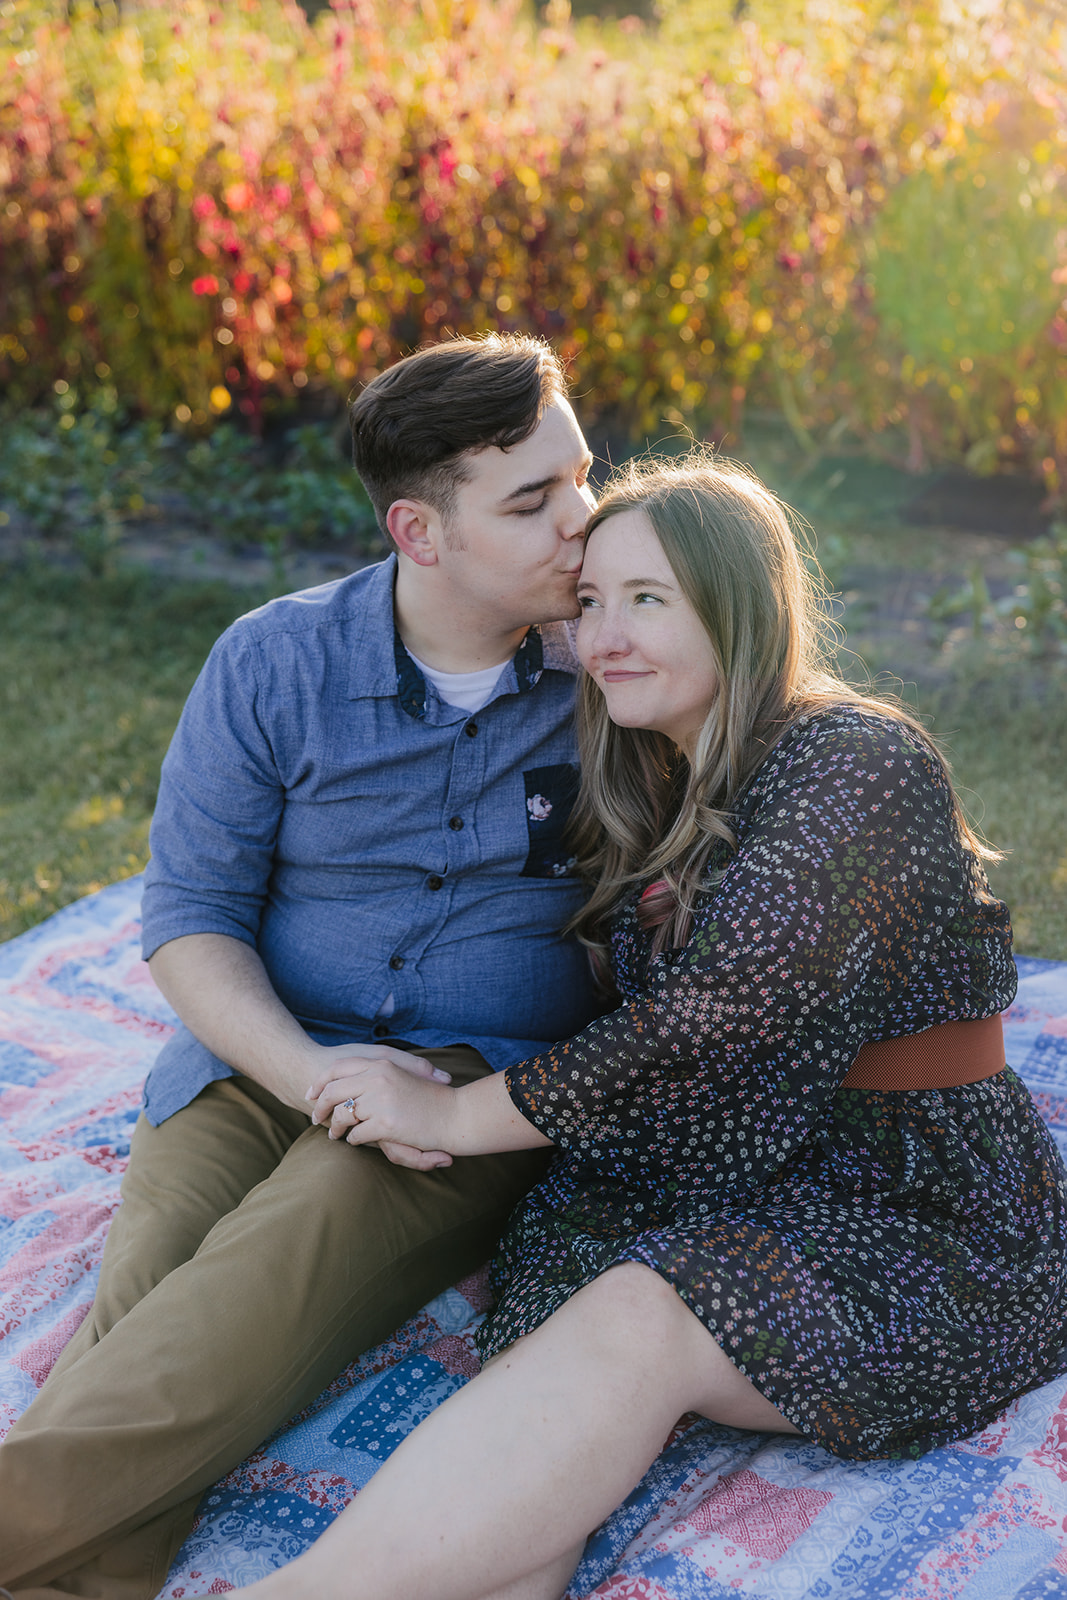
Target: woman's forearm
<point>378,1100</point>
<point>485,1120</point>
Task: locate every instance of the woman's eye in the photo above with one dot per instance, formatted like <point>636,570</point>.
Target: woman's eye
<point>586,602</point>
<point>643,599</point>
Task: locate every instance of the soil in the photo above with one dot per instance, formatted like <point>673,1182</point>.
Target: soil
<point>956,529</point>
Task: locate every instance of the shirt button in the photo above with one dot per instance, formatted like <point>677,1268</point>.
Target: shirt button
<point>380,1030</point>
<point>433,881</point>
<point>396,962</point>
<point>455,823</point>
<point>471,729</point>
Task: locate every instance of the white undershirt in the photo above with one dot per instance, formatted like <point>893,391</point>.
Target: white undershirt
<point>470,691</point>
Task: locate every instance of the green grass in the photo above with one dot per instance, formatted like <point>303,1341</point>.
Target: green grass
<point>93,674</point>
<point>1006,735</point>
<point>999,715</point>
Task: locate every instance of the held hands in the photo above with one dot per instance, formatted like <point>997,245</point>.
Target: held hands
<point>378,1095</point>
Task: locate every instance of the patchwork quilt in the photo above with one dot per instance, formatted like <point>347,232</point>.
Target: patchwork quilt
<point>721,1513</point>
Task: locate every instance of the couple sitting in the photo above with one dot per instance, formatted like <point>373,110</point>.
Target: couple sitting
<point>793,1187</point>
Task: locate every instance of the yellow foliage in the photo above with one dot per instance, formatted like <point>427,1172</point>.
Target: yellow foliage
<point>91,813</point>
<point>690,211</point>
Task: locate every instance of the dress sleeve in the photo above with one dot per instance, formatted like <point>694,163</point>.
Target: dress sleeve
<point>220,801</point>
<point>851,911</point>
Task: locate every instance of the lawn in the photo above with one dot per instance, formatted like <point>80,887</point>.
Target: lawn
<point>1008,746</point>
<point>996,702</point>
<point>95,670</point>
<point>94,675</point>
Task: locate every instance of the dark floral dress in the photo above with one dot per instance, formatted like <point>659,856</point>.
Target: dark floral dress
<point>889,1269</point>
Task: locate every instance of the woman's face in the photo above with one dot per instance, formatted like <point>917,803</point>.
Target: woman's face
<point>639,637</point>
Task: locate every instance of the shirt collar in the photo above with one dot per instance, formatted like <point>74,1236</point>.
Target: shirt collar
<point>382,667</point>
<point>372,669</point>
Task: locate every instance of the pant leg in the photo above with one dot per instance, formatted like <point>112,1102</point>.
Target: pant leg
<point>181,1179</point>
<point>322,1259</point>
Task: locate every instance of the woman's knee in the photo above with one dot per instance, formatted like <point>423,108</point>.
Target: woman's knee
<point>631,1305</point>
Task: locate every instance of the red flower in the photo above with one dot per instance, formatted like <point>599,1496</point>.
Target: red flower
<point>206,285</point>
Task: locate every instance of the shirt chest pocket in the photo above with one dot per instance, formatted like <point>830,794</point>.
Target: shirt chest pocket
<point>550,796</point>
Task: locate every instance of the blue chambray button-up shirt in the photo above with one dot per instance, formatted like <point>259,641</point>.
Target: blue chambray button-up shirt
<point>321,803</point>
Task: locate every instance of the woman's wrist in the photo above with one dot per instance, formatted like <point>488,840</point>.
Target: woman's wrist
<point>450,1122</point>
<point>484,1119</point>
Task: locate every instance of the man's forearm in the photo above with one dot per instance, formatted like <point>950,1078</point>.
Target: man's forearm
<point>220,989</point>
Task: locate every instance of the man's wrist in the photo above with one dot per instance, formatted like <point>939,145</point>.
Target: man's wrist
<point>288,1069</point>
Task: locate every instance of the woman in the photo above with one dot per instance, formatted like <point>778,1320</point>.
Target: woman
<point>795,1187</point>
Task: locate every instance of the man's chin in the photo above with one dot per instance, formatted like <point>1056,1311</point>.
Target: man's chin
<point>565,610</point>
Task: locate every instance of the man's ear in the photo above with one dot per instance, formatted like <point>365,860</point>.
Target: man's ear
<point>414,528</point>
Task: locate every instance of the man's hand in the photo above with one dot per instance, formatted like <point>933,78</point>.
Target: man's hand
<point>220,989</point>
<point>390,1098</point>
<point>335,1072</point>
<point>386,1097</point>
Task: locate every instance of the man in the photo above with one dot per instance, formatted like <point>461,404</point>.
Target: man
<point>356,851</point>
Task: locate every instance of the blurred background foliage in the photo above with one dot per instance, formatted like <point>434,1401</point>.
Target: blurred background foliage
<point>854,214</point>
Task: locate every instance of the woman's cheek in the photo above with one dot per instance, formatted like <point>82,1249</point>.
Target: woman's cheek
<point>583,641</point>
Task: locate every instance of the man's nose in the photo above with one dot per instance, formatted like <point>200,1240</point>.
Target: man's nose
<point>578,509</point>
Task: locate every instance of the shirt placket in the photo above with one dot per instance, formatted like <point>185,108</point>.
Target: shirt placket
<point>458,836</point>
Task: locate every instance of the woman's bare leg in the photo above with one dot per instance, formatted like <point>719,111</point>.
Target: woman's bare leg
<point>547,1584</point>
<point>502,1484</point>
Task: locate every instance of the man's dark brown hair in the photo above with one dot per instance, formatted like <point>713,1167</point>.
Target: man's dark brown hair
<point>413,424</point>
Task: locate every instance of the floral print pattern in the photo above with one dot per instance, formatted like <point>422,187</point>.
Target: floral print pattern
<point>889,1268</point>
<point>550,796</point>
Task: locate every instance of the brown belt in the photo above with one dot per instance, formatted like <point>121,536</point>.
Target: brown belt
<point>941,1057</point>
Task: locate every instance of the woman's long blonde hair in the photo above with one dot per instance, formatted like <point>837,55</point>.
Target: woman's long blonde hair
<point>644,811</point>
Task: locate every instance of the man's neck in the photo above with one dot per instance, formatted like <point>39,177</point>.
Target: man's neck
<point>445,638</point>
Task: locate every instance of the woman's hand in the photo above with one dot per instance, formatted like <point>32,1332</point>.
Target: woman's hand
<point>400,1102</point>
<point>340,1080</point>
<point>388,1098</point>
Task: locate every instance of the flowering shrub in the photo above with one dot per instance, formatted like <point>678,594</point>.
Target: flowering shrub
<point>840,210</point>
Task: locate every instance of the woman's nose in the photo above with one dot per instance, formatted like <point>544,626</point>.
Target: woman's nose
<point>611,637</point>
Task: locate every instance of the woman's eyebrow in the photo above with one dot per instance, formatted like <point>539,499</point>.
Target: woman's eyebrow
<point>632,583</point>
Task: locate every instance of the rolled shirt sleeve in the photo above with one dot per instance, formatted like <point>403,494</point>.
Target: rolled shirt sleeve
<point>221,799</point>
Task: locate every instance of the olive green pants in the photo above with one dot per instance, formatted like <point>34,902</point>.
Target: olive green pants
<point>251,1259</point>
